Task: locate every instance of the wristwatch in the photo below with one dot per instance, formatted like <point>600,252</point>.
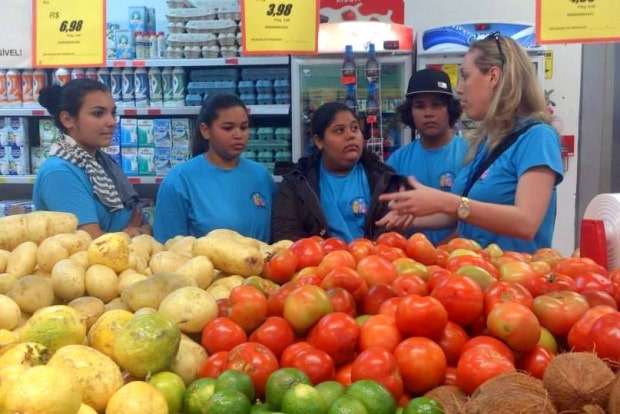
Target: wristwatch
<point>464,209</point>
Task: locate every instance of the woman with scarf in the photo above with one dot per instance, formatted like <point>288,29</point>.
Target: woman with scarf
<point>78,177</point>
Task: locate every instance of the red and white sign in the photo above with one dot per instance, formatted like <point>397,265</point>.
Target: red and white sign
<point>387,11</point>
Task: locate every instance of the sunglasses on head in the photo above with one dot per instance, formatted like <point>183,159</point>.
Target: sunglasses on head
<point>496,36</point>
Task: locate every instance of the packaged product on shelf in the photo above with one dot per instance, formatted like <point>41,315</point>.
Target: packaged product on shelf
<point>27,87</point>
<point>129,132</point>
<point>49,134</point>
<point>14,88</point>
<point>16,128</point>
<point>12,207</point>
<point>166,78</point>
<point>17,160</point>
<point>151,21</point>
<point>180,131</point>
<point>113,151</point>
<point>38,155</point>
<point>39,81</point>
<point>161,159</point>
<point>161,133</point>
<point>178,155</point>
<point>3,86</point>
<point>116,136</point>
<point>116,85</point>
<point>103,76</point>
<point>125,46</point>
<point>156,93</point>
<point>4,138</point>
<point>91,74</point>
<point>129,96</point>
<point>111,29</point>
<point>141,87</point>
<point>146,138</point>
<point>129,160</point>
<point>146,161</point>
<point>138,17</point>
<point>179,86</point>
<point>78,73</point>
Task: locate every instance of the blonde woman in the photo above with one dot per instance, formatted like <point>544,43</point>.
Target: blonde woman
<point>506,194</point>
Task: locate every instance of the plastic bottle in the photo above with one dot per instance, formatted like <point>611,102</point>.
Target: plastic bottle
<point>372,103</point>
<point>161,45</point>
<point>348,66</point>
<point>166,80</point>
<point>155,86</point>
<point>139,41</point>
<point>153,46</point>
<point>372,64</point>
<point>141,87</point>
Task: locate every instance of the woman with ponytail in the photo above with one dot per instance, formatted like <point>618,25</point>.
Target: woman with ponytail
<point>78,177</point>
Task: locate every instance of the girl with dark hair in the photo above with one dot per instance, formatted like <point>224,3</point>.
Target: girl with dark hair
<point>217,188</point>
<point>78,177</point>
<point>334,192</point>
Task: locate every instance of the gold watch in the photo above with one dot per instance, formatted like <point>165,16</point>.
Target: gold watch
<point>464,209</point>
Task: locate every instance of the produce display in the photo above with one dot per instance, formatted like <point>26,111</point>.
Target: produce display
<point>228,324</point>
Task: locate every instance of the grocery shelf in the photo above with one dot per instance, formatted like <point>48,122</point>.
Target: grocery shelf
<point>235,61</point>
<point>17,179</point>
<point>153,111</point>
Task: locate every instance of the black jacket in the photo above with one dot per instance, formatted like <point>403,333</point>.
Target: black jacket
<point>297,211</point>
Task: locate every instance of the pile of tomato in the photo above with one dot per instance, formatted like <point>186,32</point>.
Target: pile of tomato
<point>413,316</point>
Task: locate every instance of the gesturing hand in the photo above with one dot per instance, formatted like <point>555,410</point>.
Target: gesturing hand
<point>419,202</point>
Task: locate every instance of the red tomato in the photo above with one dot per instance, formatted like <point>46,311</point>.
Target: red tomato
<point>332,244</point>
<point>248,307</point>
<point>422,364</point>
<point>491,343</point>
<point>553,282</point>
<point>575,266</point>
<point>500,292</point>
<point>606,336</point>
<point>614,275</point>
<point>457,262</point>
<point>421,250</point>
<point>452,342</point>
<point>593,281</point>
<point>334,260</point>
<point>308,251</point>
<point>450,376</point>
<point>375,297</point>
<point>404,400</point>
<point>462,298</point>
<point>478,327</point>
<point>378,365</point>
<point>361,248</point>
<point>223,308</point>
<point>316,364</point>
<point>442,258</point>
<point>389,307</point>
<point>347,279</point>
<point>304,306</point>
<point>598,298</point>
<point>437,277</point>
<point>421,316</point>
<point>389,253</point>
<point>516,271</point>
<point>376,270</point>
<point>540,268</point>
<point>343,375</point>
<point>547,255</point>
<point>558,311</point>
<point>256,360</point>
<point>275,333</point>
<point>222,334</point>
<point>515,324</point>
<point>461,243</point>
<point>407,284</point>
<point>536,361</point>
<point>342,301</point>
<point>281,267</point>
<point>393,239</point>
<point>291,351</point>
<point>379,331</point>
<point>337,334</point>
<point>275,302</point>
<point>479,364</point>
<point>214,365</point>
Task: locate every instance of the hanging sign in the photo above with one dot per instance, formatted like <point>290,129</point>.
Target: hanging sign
<point>273,27</point>
<point>386,11</point>
<point>68,33</point>
<point>15,42</point>
<point>577,21</point>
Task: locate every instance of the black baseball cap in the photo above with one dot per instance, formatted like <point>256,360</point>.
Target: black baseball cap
<point>429,81</point>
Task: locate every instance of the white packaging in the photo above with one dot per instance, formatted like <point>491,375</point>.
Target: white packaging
<point>146,137</point>
<point>16,131</point>
<point>48,132</point>
<point>146,161</point>
<point>161,160</point>
<point>129,160</point>
<point>180,132</point>
<point>161,133</point>
<point>179,155</point>
<point>129,132</point>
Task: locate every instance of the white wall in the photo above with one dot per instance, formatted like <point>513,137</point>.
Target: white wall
<point>566,82</point>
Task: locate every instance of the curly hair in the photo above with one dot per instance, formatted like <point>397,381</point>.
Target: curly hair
<point>453,105</point>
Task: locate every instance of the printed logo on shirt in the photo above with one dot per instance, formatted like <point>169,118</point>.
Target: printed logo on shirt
<point>446,181</point>
<point>359,207</point>
<point>259,200</point>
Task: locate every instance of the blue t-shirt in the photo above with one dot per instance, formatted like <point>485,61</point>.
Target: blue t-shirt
<point>345,200</point>
<point>62,186</point>
<point>197,197</point>
<point>433,167</point>
<point>537,147</point>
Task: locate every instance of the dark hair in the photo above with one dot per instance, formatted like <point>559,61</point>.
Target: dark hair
<point>209,113</point>
<point>69,98</point>
<point>454,110</point>
<point>324,116</point>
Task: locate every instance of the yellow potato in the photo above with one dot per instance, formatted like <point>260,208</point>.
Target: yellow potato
<point>111,250</point>
<point>6,282</point>
<point>68,280</point>
<point>50,252</point>
<point>127,279</point>
<point>219,292</point>
<point>13,231</point>
<point>138,261</point>
<point>182,246</point>
<point>89,307</point>
<point>4,258</point>
<point>166,262</point>
<point>101,282</point>
<point>190,357</point>
<point>233,256</point>
<point>191,308</point>
<point>71,241</point>
<point>81,258</point>
<point>22,260</point>
<point>151,291</point>
<point>116,304</point>
<point>9,313</point>
<point>200,269</point>
<point>32,293</point>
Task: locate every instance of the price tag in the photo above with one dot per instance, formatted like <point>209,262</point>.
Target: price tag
<point>272,27</point>
<point>68,33</point>
<point>577,21</point>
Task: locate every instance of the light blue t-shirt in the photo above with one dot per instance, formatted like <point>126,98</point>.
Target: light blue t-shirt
<point>197,197</point>
<point>537,147</point>
<point>433,167</point>
<point>345,200</point>
<point>62,186</point>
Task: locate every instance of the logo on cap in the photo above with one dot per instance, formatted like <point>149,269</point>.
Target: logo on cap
<point>442,85</point>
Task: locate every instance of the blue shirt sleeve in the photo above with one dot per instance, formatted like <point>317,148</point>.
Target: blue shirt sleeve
<point>540,147</point>
<point>171,212</point>
<point>62,191</point>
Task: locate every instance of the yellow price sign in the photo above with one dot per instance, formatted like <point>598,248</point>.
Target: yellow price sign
<point>68,33</point>
<point>577,21</point>
<point>280,27</point>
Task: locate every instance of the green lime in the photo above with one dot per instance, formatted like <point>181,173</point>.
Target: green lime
<point>172,387</point>
<point>260,408</point>
<point>303,399</point>
<point>375,398</point>
<point>279,382</point>
<point>399,410</point>
<point>330,391</point>
<point>197,395</point>
<point>228,402</point>
<point>235,380</point>
<point>347,405</point>
<point>423,405</point>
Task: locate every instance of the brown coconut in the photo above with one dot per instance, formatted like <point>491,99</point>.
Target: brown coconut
<point>450,397</point>
<point>511,393</point>
<point>613,407</point>
<point>577,379</point>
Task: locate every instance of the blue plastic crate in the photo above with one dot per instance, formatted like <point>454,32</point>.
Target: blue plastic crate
<point>264,86</point>
<point>282,86</point>
<point>246,87</point>
<point>265,99</point>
